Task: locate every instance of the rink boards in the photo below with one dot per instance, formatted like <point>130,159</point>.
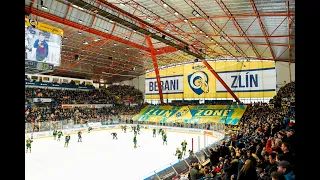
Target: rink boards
<point>99,127</point>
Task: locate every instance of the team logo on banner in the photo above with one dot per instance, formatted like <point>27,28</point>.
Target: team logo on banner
<point>198,82</point>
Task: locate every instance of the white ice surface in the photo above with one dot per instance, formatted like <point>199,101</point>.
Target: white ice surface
<point>99,157</point>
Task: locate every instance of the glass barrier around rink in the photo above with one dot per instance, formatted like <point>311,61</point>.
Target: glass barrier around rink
<point>182,166</point>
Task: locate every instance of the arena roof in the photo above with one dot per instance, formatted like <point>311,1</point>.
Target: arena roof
<point>111,37</point>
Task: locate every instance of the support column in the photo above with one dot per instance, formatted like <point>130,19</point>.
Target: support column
<point>220,80</point>
<point>156,69</point>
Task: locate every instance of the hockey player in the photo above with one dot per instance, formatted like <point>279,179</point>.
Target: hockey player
<point>138,129</point>
<point>184,147</point>
<point>125,129</point>
<point>122,128</point>
<point>179,153</point>
<point>55,134</point>
<point>135,132</point>
<point>59,135</point>
<point>159,131</point>
<point>162,132</point>
<point>154,132</point>
<point>114,135</point>
<point>79,136</point>
<point>67,140</point>
<point>133,128</point>
<point>164,137</point>
<point>191,154</point>
<point>135,141</point>
<point>89,129</point>
<point>28,144</point>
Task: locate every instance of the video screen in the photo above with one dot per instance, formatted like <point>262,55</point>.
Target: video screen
<point>42,46</point>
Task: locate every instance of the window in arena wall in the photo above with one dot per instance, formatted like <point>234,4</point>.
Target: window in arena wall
<point>77,82</point>
<point>65,80</point>
<point>55,80</point>
<point>88,83</point>
<point>34,77</point>
<point>45,79</point>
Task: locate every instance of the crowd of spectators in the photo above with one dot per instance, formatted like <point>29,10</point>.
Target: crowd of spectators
<point>112,95</point>
<point>263,148</point>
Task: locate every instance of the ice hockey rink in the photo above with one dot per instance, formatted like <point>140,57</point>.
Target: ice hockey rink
<point>99,157</point>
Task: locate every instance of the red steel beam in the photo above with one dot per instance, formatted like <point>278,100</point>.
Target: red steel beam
<point>90,30</point>
<point>166,49</point>
<point>220,80</point>
<point>263,29</point>
<point>119,10</point>
<point>156,68</point>
<point>238,27</point>
<point>289,45</point>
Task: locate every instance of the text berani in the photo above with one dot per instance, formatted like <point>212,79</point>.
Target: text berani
<point>248,80</point>
<point>166,85</point>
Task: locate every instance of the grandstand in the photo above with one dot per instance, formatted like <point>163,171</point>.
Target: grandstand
<point>217,75</point>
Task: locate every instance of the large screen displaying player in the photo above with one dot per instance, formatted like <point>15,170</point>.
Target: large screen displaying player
<point>42,46</point>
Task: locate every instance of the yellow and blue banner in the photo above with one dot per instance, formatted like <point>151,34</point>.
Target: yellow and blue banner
<point>43,27</point>
<point>228,114</point>
<point>254,79</point>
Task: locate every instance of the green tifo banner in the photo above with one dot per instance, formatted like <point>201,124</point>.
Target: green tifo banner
<point>228,114</point>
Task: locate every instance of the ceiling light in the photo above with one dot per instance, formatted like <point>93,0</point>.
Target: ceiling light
<point>168,30</point>
<point>185,20</point>
<point>165,5</point>
<point>82,49</point>
<point>106,30</point>
<point>221,37</point>
<point>125,54</point>
<point>217,44</point>
<point>127,48</point>
<point>195,13</point>
<point>148,19</point>
<point>193,26</point>
<point>127,38</point>
<point>182,37</point>
<point>85,42</point>
<point>80,21</point>
<point>65,38</point>
<point>176,13</point>
<point>110,21</point>
<point>43,7</point>
<point>207,36</point>
<point>79,32</point>
<point>134,31</point>
<point>200,31</point>
<point>212,40</point>
<point>101,48</point>
<point>115,44</point>
<point>121,4</point>
<point>113,51</point>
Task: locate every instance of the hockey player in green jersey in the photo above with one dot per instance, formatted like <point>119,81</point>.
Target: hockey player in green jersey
<point>159,131</point>
<point>89,129</point>
<point>179,153</point>
<point>138,129</point>
<point>59,135</point>
<point>28,144</point>
<point>162,132</point>
<point>164,137</point>
<point>135,132</point>
<point>67,140</point>
<point>184,147</point>
<point>79,136</point>
<point>55,134</point>
<point>154,132</point>
<point>125,129</point>
<point>135,141</point>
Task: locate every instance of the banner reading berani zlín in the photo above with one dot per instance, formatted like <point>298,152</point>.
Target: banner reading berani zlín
<point>228,114</point>
<point>254,79</point>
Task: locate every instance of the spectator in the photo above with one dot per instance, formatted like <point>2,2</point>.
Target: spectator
<point>285,168</point>
<point>287,155</point>
<point>194,173</point>
<point>248,171</point>
<point>278,176</point>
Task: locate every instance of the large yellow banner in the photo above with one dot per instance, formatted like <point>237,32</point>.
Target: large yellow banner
<point>254,79</point>
<point>43,27</point>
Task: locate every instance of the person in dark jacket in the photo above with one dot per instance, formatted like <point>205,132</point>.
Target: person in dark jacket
<point>232,169</point>
<point>248,171</point>
<point>194,172</point>
<point>286,169</point>
<point>272,167</point>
